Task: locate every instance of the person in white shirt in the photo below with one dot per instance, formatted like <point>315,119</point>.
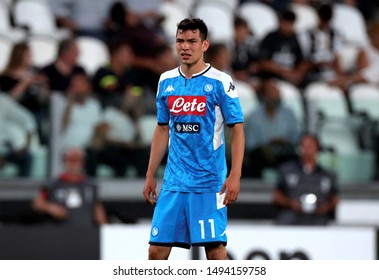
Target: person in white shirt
<point>82,114</point>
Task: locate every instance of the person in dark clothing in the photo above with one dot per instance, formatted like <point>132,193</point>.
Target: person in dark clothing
<point>112,81</point>
<point>71,199</point>
<point>60,72</point>
<point>306,194</point>
<point>27,86</point>
<point>280,52</point>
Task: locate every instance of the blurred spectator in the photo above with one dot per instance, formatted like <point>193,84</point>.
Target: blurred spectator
<point>280,52</point>
<point>164,59</point>
<point>116,142</point>
<point>148,11</point>
<point>71,199</point>
<point>218,55</point>
<point>60,72</point>
<point>112,81</point>
<point>244,53</point>
<point>82,17</point>
<point>147,79</point>
<point>144,40</point>
<point>320,47</point>
<point>25,84</point>
<point>82,114</point>
<point>368,8</point>
<point>306,194</point>
<point>271,132</point>
<point>12,148</point>
<point>370,74</point>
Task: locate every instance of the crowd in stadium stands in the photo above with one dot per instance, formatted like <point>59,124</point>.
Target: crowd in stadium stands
<point>102,109</point>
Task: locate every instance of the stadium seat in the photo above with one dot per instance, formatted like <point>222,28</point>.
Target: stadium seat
<point>346,159</point>
<point>38,18</point>
<point>232,4</point>
<point>44,50</point>
<point>365,99</point>
<point>6,28</point>
<point>187,3</point>
<point>219,18</point>
<point>174,12</point>
<point>350,22</point>
<point>147,124</point>
<point>93,53</point>
<point>248,97</point>
<point>306,16</point>
<point>329,101</point>
<point>261,18</point>
<point>292,98</point>
<point>348,55</point>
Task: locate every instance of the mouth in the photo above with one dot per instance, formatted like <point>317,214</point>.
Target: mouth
<point>185,55</point>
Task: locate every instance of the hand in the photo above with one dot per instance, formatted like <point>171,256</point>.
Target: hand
<point>295,205</point>
<point>231,189</point>
<point>323,208</point>
<point>57,211</point>
<point>149,191</point>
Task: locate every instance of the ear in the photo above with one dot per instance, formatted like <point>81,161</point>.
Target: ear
<point>206,44</point>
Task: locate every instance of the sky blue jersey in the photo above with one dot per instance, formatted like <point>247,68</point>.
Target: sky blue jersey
<point>196,110</point>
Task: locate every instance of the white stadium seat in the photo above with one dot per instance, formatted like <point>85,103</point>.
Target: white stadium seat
<point>93,53</point>
<point>262,18</point>
<point>218,17</point>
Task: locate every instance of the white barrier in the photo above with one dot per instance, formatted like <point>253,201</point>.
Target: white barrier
<point>125,242</point>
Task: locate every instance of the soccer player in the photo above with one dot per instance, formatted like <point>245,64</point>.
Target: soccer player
<point>193,103</point>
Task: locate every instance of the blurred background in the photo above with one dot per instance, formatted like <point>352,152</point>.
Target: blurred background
<point>83,75</point>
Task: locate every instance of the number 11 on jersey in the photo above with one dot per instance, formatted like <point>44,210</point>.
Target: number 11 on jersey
<point>202,228</point>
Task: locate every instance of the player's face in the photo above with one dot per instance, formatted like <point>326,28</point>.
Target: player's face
<point>190,47</point>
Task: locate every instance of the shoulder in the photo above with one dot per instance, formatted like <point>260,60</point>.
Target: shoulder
<point>290,166</point>
<point>169,74</point>
<point>48,68</point>
<point>79,69</point>
<point>224,79</point>
<point>325,172</point>
<point>216,74</point>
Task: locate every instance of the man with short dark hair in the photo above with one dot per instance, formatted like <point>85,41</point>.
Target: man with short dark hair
<point>280,52</point>
<point>60,72</point>
<point>194,101</point>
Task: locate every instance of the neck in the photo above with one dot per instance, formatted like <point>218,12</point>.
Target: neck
<point>324,26</point>
<point>63,66</point>
<point>190,69</point>
<point>309,162</point>
<point>117,68</point>
<point>74,176</point>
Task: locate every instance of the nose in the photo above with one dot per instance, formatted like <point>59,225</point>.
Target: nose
<point>184,46</point>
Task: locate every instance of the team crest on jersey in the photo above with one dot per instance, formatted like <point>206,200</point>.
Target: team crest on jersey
<point>187,105</point>
<point>208,87</point>
<point>154,231</point>
<point>185,127</point>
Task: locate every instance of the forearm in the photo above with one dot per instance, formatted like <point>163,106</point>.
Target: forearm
<point>268,65</point>
<point>18,90</point>
<point>100,214</point>
<point>158,149</point>
<point>237,148</point>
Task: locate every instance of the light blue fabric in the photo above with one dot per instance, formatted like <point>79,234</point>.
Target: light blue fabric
<point>195,110</point>
<point>260,129</point>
